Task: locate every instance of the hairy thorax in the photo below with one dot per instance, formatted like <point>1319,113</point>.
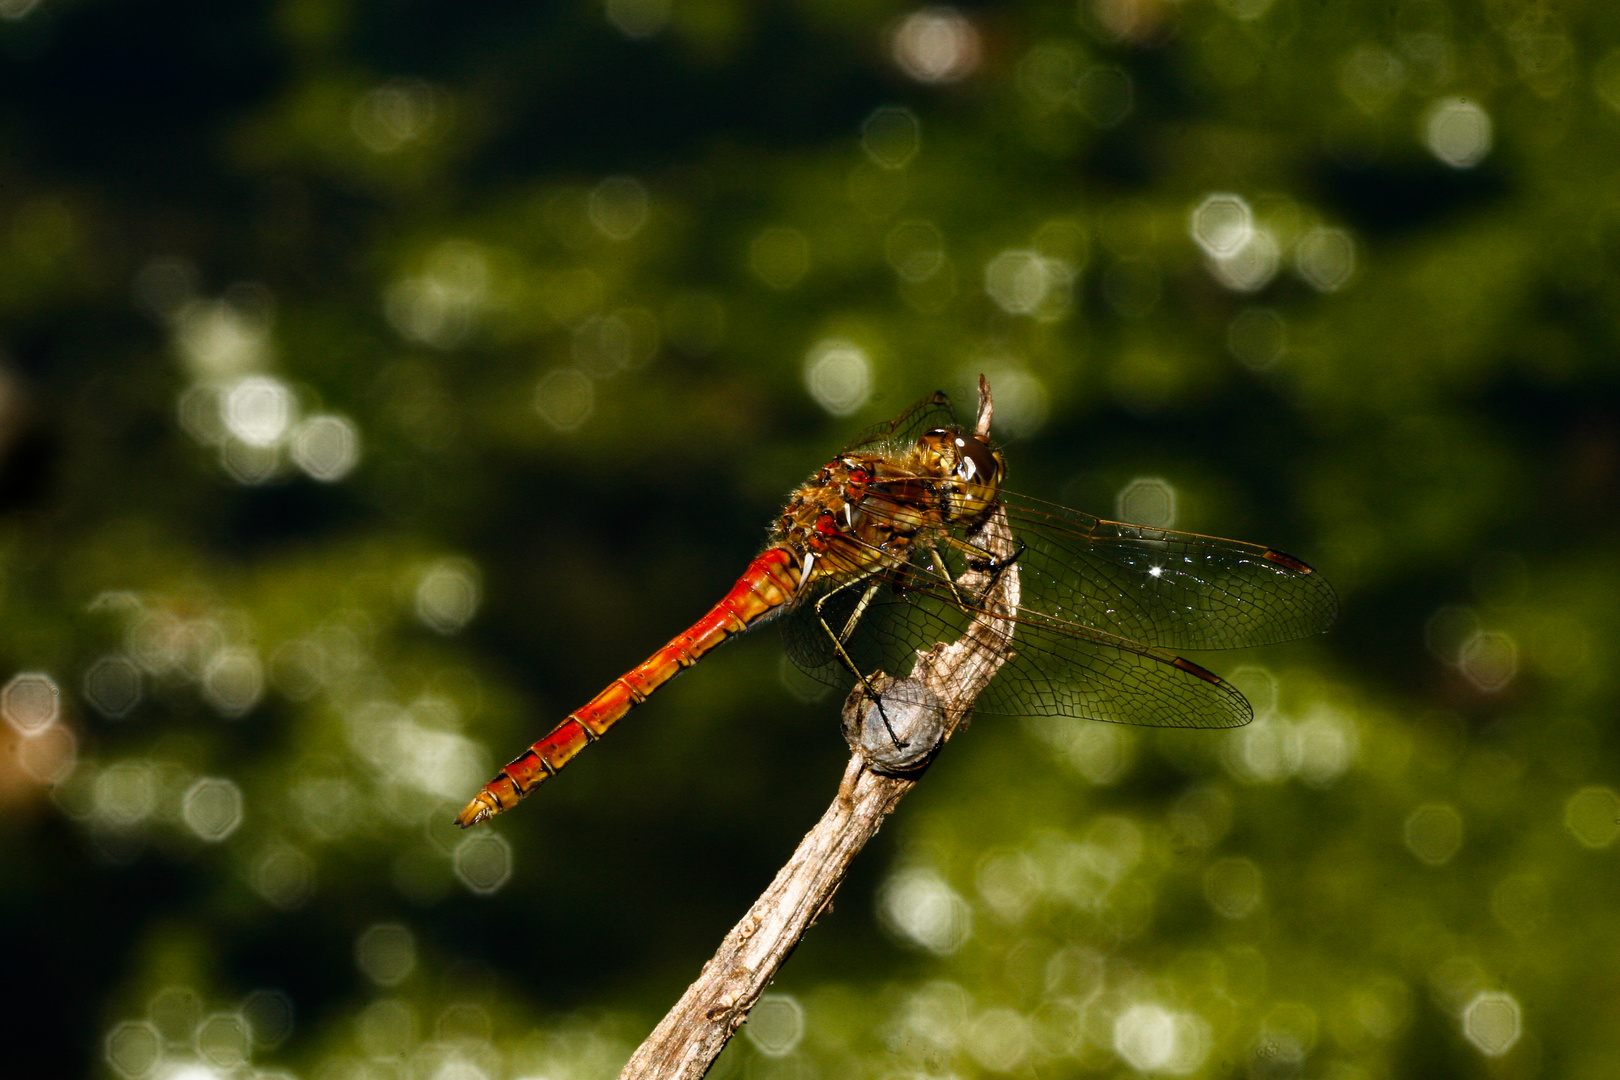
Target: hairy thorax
<point>862,512</point>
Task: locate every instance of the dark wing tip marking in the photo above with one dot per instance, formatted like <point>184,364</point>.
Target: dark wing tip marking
<point>1193,669</point>
<point>1287,561</point>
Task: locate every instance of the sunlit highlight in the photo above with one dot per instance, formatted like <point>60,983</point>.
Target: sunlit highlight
<point>1153,1039</point>
<point>838,375</point>
<point>776,1025</point>
<point>31,702</point>
<point>1493,1022</point>
<point>1458,132</point>
<point>919,908</point>
<point>936,45</point>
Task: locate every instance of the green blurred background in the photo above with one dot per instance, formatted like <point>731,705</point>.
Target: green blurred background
<point>379,380</point>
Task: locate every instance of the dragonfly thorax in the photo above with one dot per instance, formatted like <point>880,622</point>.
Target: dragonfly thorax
<point>865,511</point>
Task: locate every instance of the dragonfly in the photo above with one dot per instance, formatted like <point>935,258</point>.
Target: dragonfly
<point>869,564</point>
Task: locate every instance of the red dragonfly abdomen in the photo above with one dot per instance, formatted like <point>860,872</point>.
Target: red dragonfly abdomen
<point>768,583</point>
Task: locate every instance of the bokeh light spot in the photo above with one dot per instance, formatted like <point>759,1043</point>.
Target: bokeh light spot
<point>400,112</point>
<point>176,1011</point>
<point>448,594</point>
<point>269,1014</point>
<point>1147,500</point>
<point>1201,817</point>
<point>386,1030</point>
<point>1287,1035</point>
<point>125,794</point>
<point>284,876</point>
<point>248,464</point>
<point>1232,887</point>
<point>51,756</point>
<point>233,681</point>
<point>12,10</point>
<point>1370,77</point>
<point>31,702</point>
<point>915,249</point>
<point>1221,224</point>
<point>1326,259</point>
<point>112,685</point>
<point>565,399</point>
<point>606,345</point>
<point>1102,753</point>
<point>618,207</point>
<point>464,1022</point>
<point>638,19</point>
<point>1521,903</point>
<point>1458,132</point>
<point>1024,282</point>
<point>838,375</point>
<point>776,1024</point>
<point>1327,743</point>
<point>891,136</point>
<point>258,410</point>
<point>386,953</point>
<point>218,339</point>
<point>1246,10</point>
<point>483,862</point>
<point>936,45</point>
<point>919,908</point>
<point>1493,1022</point>
<point>1251,266</point>
<point>1592,815</point>
<point>1434,832</point>
<point>779,256</point>
<point>1008,883</point>
<point>133,1048</point>
<point>223,1040</point>
<point>1153,1039</point>
<point>1489,660</point>
<point>999,1039</point>
<point>212,808</point>
<point>1105,95</point>
<point>326,447</point>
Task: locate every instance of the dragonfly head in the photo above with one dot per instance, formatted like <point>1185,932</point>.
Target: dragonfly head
<point>974,468</point>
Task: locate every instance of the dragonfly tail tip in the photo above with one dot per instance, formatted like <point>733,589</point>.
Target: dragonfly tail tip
<point>474,812</point>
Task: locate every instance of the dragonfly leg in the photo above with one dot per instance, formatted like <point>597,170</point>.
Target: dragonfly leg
<point>945,573</point>
<point>838,647</point>
<point>860,609</point>
<point>979,558</point>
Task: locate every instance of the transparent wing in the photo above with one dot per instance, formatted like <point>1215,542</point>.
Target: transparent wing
<point>1058,667</point>
<point>1171,589</point>
<point>928,414</point>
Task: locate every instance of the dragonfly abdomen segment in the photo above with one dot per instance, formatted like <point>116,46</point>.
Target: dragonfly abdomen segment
<point>768,583</point>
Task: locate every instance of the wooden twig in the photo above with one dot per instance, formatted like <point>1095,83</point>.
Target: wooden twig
<point>686,1042</point>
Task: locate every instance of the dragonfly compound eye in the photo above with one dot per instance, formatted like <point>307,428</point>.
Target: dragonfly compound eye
<point>977,461</point>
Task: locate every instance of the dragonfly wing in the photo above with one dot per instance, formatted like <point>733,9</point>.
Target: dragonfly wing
<point>1057,667</point>
<point>1062,669</point>
<point>930,413</point>
<point>1164,588</point>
